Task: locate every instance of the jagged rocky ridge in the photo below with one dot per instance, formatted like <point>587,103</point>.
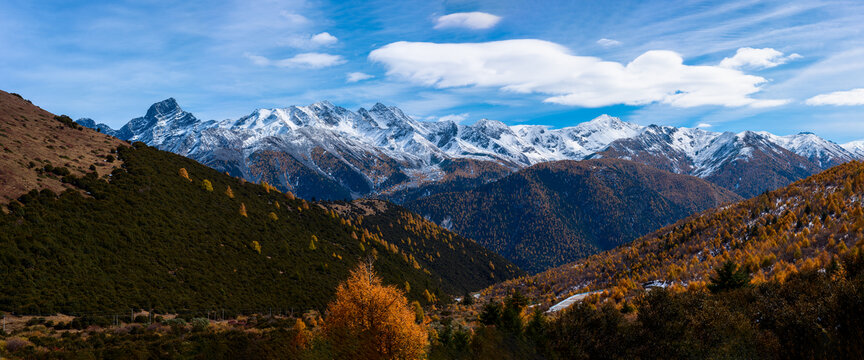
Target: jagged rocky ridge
<point>330,152</point>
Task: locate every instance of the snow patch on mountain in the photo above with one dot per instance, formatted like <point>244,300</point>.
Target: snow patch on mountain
<point>380,143</point>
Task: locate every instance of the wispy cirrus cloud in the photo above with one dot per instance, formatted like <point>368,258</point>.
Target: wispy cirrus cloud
<point>839,98</point>
<point>305,60</point>
<point>608,43</point>
<point>467,20</point>
<point>294,18</point>
<point>537,66</point>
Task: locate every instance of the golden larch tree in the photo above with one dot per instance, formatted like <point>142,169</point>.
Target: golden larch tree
<point>243,210</point>
<point>184,174</point>
<point>207,185</point>
<point>368,320</point>
<point>229,192</point>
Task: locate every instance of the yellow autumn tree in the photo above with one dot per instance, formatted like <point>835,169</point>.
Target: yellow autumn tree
<point>243,209</point>
<point>368,320</point>
<point>302,336</point>
<point>184,174</point>
<point>207,185</point>
<point>229,192</point>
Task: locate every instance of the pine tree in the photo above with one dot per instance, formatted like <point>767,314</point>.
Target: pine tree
<point>729,277</point>
<point>368,320</point>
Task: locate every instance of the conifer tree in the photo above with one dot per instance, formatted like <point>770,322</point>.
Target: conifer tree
<point>728,277</point>
<point>243,210</point>
<point>229,192</point>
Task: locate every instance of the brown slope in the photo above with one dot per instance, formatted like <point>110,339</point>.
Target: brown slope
<point>556,212</point>
<point>803,226</point>
<point>32,138</point>
<point>459,175</point>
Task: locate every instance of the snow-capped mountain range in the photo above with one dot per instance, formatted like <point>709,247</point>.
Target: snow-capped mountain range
<point>327,151</point>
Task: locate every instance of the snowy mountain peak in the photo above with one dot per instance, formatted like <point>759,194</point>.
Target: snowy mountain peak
<point>490,124</point>
<point>855,147</point>
<point>162,108</point>
<point>606,120</point>
<point>376,149</point>
<point>379,107</point>
<point>324,104</point>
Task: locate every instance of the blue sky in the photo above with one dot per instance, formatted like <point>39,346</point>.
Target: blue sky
<point>780,66</point>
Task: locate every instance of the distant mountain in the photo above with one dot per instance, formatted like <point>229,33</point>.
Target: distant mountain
<point>809,225</point>
<point>555,212</point>
<point>856,148</point>
<point>163,231</point>
<point>330,152</point>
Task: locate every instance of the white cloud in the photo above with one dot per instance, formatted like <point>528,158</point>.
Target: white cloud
<point>704,125</point>
<point>468,20</point>
<point>304,60</point>
<point>324,38</point>
<point>757,58</point>
<point>294,18</point>
<point>357,76</point>
<point>839,98</point>
<point>310,41</point>
<point>608,43</point>
<point>257,59</point>
<point>537,66</point>
<point>457,118</point>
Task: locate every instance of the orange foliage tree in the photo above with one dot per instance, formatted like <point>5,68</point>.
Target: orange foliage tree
<point>368,320</point>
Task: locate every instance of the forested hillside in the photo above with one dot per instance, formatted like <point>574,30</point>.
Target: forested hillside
<point>804,226</point>
<point>556,212</point>
<point>165,232</point>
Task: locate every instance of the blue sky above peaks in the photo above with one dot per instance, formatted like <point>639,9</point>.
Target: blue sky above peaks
<point>779,66</point>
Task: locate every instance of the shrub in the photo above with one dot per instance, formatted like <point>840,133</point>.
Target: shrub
<point>200,324</point>
<point>16,343</point>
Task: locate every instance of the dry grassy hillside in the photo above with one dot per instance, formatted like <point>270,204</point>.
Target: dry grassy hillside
<point>31,139</point>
